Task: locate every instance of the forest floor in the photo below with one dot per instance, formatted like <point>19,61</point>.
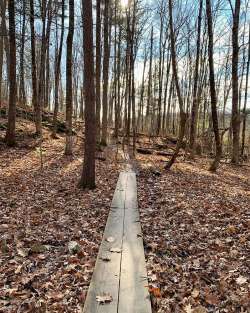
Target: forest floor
<point>196,235</point>
<point>195,225</point>
<point>43,214</point>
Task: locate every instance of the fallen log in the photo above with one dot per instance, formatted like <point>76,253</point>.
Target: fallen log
<point>163,153</point>
<point>144,151</point>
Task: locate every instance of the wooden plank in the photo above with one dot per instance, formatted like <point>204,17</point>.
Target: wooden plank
<point>106,276</point>
<point>133,294</point>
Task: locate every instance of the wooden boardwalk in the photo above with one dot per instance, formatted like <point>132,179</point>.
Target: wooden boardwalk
<point>121,274</point>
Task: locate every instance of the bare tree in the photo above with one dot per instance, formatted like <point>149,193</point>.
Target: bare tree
<point>245,98</point>
<point>36,105</point>
<point>235,84</point>
<point>213,96</point>
<point>183,115</point>
<point>105,75</point>
<point>68,147</point>
<point>10,133</point>
<point>88,173</point>
<point>57,72</point>
<point>98,68</point>
<point>195,107</point>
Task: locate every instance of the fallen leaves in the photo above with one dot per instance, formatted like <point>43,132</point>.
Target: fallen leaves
<point>241,280</point>
<point>154,291</point>
<point>211,298</point>
<point>110,239</point>
<point>105,298</point>
<point>42,212</point>
<point>73,247</point>
<point>195,236</point>
<point>195,293</point>
<point>23,252</point>
<point>115,250</point>
<point>105,258</point>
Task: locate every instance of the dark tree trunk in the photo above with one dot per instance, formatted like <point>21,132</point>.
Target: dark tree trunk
<point>183,116</point>
<point>245,98</point>
<point>69,107</point>
<point>149,92</point>
<point>1,53</point>
<point>10,133</point>
<point>213,96</point>
<point>88,173</point>
<point>36,105</point>
<point>195,107</point>
<point>57,73</point>
<point>98,68</point>
<point>22,94</point>
<point>235,84</point>
<point>105,75</point>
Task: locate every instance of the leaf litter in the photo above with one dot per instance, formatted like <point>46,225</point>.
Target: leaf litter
<point>196,235</point>
<point>50,230</point>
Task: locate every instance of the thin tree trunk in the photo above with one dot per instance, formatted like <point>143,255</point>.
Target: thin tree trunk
<point>68,147</point>
<point>57,73</point>
<point>149,91</point>
<point>213,96</point>
<point>22,94</point>
<point>183,116</point>
<point>235,83</point>
<point>105,75</point>
<point>11,126</point>
<point>98,68</point>
<point>35,104</point>
<point>195,107</point>
<point>1,55</point>
<point>245,99</point>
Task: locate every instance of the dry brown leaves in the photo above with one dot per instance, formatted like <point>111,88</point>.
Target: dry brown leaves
<point>196,236</point>
<point>41,212</point>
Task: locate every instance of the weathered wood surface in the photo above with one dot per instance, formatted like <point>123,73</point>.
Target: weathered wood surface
<point>124,277</point>
<point>133,294</point>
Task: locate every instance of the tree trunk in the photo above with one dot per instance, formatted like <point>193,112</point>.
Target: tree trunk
<point>195,107</point>
<point>183,116</point>
<point>57,73</point>
<point>149,91</point>
<point>88,173</point>
<point>36,105</point>
<point>98,68</point>
<point>10,133</point>
<point>1,54</point>
<point>105,75</point>
<point>68,147</point>
<point>235,83</point>
<point>245,98</point>
<point>22,94</point>
<point>213,96</point>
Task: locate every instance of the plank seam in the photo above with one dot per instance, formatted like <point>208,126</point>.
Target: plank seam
<point>123,227</point>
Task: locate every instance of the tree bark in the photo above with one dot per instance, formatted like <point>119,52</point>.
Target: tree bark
<point>35,104</point>
<point>195,106</point>
<point>69,106</point>
<point>98,68</point>
<point>213,96</point>
<point>57,73</point>
<point>245,98</point>
<point>22,94</point>
<point>183,116</point>
<point>88,174</point>
<point>235,85</point>
<point>105,75</point>
<point>11,126</point>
